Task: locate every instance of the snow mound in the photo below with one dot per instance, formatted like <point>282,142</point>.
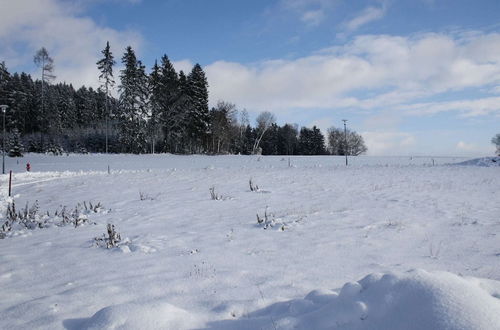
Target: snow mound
<point>158,315</point>
<point>485,162</point>
<point>412,300</point>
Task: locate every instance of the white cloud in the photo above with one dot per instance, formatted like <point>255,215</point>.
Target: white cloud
<point>310,12</point>
<point>368,15</point>
<point>468,108</point>
<point>495,90</point>
<point>390,71</point>
<point>73,40</point>
<point>185,65</point>
<point>388,143</point>
<point>472,149</point>
<point>303,4</point>
<point>382,121</point>
<point>323,124</point>
<point>313,17</point>
<point>466,146</point>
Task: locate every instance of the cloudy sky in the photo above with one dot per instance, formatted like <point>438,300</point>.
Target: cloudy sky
<point>414,77</point>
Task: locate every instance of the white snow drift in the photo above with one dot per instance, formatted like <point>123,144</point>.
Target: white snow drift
<point>414,300</point>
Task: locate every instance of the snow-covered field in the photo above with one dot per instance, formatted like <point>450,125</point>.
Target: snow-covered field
<point>386,243</point>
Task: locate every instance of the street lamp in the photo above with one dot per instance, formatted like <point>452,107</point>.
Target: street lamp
<point>345,140</point>
<point>4,110</point>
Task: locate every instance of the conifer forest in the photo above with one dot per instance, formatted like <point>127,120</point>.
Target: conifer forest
<point>160,111</point>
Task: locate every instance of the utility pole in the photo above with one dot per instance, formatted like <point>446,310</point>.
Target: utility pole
<point>107,115</point>
<point>4,110</point>
<point>43,109</point>
<point>345,141</point>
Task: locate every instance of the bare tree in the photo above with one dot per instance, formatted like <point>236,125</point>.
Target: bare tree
<point>337,146</point>
<point>264,121</point>
<point>222,125</point>
<point>244,122</point>
<point>496,142</point>
<point>46,63</point>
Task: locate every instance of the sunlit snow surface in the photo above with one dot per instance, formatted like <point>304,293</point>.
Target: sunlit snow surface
<point>191,262</point>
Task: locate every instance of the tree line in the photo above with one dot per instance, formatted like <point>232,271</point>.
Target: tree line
<point>160,111</point>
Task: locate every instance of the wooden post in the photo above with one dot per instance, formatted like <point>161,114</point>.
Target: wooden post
<point>10,183</point>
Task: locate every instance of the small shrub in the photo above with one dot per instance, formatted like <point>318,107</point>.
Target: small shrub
<point>269,220</point>
<point>266,221</point>
<point>146,197</point>
<point>27,218</point>
<point>214,195</point>
<point>434,250</point>
<point>253,187</point>
<point>31,218</point>
<point>111,241</point>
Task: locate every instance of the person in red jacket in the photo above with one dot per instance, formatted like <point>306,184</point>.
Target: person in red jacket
<point>28,167</point>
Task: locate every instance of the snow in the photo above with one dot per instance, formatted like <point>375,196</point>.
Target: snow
<point>485,161</point>
<point>159,315</point>
<point>413,300</point>
<point>187,261</point>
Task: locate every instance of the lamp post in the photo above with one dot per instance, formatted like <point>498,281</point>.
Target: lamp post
<point>345,140</point>
<point>4,110</point>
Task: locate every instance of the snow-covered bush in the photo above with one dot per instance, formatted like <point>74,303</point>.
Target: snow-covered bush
<point>27,218</point>
<point>33,143</point>
<point>31,218</point>
<point>79,214</point>
<point>55,149</point>
<point>111,241</point>
<point>81,149</point>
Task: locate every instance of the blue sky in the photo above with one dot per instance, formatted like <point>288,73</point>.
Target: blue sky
<point>418,77</point>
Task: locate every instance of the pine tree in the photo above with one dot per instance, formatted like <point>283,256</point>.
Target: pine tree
<point>198,114</point>
<point>270,140</point>
<point>66,107</point>
<point>26,101</point>
<point>249,138</point>
<point>6,93</point>
<point>317,142</point>
<point>15,145</point>
<point>69,117</point>
<point>171,112</point>
<point>177,119</point>
<point>287,140</point>
<point>52,117</point>
<point>133,102</point>
<point>305,141</point>
<point>105,66</point>
<point>155,90</point>
<point>4,83</point>
<point>311,141</point>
